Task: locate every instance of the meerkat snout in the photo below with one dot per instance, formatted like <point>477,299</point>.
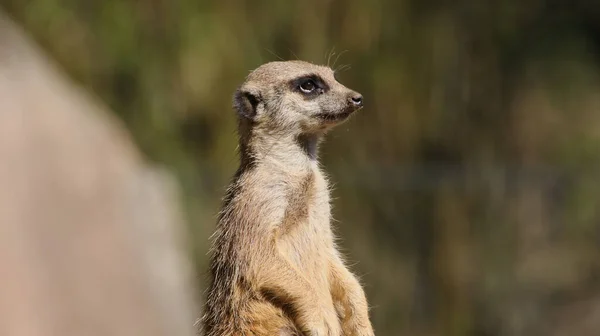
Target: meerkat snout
<point>357,100</point>
<point>296,95</point>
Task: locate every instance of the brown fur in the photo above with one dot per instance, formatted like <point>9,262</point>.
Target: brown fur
<point>275,267</point>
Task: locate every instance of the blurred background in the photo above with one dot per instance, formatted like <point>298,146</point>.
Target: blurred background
<point>467,191</point>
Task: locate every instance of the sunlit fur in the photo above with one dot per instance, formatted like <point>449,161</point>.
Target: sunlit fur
<point>274,265</point>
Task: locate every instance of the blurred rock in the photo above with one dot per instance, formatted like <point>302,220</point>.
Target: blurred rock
<point>90,235</point>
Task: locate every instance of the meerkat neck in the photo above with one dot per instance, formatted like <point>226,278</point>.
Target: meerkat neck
<point>290,151</point>
<point>310,144</point>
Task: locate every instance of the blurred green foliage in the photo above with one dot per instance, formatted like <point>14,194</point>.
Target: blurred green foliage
<point>467,189</point>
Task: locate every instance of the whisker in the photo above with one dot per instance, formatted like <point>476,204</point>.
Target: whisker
<point>274,54</point>
<point>338,57</point>
<point>291,52</point>
<point>331,53</point>
<point>343,67</point>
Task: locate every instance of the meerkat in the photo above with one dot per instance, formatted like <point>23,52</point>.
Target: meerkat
<point>275,267</point>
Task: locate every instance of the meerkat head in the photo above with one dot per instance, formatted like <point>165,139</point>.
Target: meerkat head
<point>295,96</point>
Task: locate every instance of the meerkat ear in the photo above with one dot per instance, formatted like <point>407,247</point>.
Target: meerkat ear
<point>246,103</point>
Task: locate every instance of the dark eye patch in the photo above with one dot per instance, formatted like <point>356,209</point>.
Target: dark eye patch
<point>320,85</point>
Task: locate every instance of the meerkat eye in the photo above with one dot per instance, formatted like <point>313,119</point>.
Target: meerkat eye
<point>308,86</point>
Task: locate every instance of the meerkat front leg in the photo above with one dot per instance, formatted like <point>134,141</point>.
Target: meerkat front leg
<point>314,312</point>
<point>350,301</point>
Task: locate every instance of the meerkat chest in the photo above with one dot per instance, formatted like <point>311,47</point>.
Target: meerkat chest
<point>309,236</point>
<point>307,203</point>
<point>318,207</point>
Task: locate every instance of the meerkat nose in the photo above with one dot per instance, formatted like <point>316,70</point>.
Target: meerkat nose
<point>356,100</point>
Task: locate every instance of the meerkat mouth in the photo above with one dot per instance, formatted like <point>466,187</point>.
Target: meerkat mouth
<point>336,116</point>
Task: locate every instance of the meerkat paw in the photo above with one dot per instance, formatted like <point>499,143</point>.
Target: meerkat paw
<point>365,332</point>
<point>328,326</point>
<point>326,330</point>
<point>359,333</point>
<point>358,328</point>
